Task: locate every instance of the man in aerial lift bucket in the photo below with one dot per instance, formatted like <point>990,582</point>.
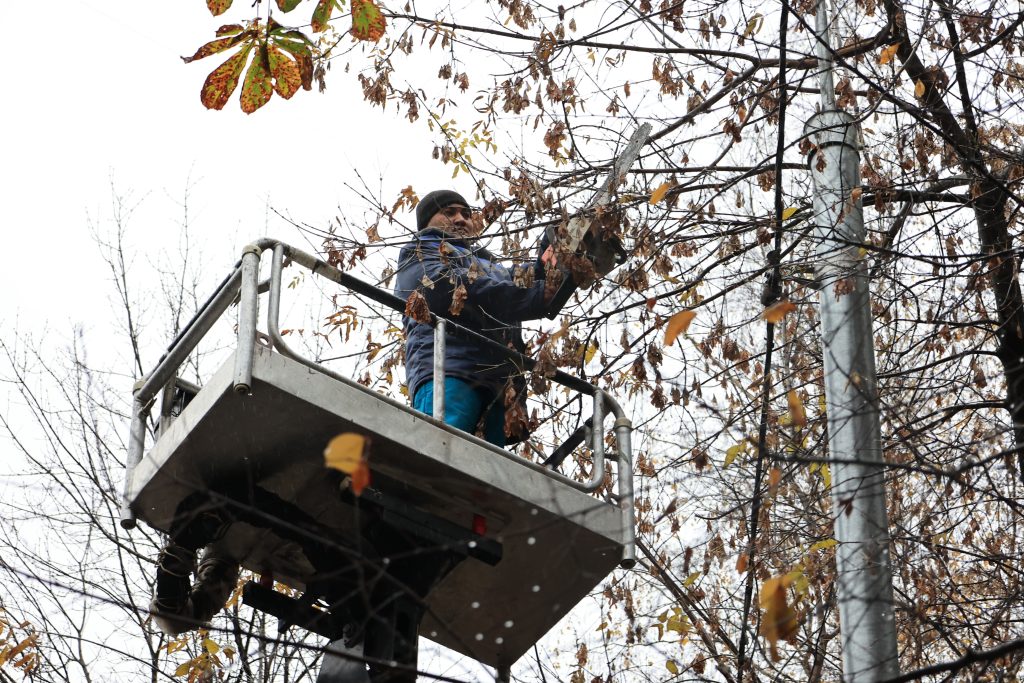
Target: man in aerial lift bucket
<point>460,279</point>
<point>444,270</point>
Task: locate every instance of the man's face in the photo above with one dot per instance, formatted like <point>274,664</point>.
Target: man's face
<point>457,220</point>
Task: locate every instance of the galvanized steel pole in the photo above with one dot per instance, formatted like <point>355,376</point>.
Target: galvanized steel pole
<point>440,342</point>
<point>248,312</point>
<point>851,390</point>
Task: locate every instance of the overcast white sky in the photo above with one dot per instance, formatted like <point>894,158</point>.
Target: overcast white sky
<point>100,93</point>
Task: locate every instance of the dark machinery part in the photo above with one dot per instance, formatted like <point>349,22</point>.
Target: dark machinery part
<point>604,254</point>
<point>570,444</point>
<point>179,605</point>
<point>368,599</point>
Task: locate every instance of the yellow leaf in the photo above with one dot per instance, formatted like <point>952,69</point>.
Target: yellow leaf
<point>788,212</point>
<point>797,414</point>
<point>826,475</point>
<point>777,311</point>
<point>888,53</point>
<point>798,580</point>
<point>779,621</point>
<point>678,324</point>
<point>754,25</point>
<point>678,624</point>
<point>919,90</point>
<point>210,646</point>
<point>691,579</point>
<point>732,453</point>
<point>823,545</point>
<point>345,452</point>
<point>28,642</point>
<point>774,477</point>
<point>672,667</point>
<point>590,352</point>
<point>183,668</point>
<point>27,662</point>
<point>660,193</point>
<point>800,583</point>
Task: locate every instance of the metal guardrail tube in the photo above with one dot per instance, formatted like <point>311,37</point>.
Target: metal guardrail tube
<point>440,330</point>
<point>328,271</point>
<point>136,446</point>
<point>248,309</point>
<point>244,280</point>
<point>201,310</point>
<point>190,387</point>
<point>581,486</point>
<point>166,403</point>
<point>274,306</point>
<point>569,445</point>
<point>188,341</point>
<point>324,269</point>
<point>623,440</point>
<point>147,388</point>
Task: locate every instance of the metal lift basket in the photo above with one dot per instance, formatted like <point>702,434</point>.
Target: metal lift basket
<point>528,542</point>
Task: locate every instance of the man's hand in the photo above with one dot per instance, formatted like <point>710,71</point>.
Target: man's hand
<point>549,258</point>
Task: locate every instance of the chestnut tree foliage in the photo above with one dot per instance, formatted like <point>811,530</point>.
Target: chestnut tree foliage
<point>528,104</point>
<point>533,101</point>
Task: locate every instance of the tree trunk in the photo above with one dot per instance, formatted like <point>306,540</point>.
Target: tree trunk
<point>990,200</point>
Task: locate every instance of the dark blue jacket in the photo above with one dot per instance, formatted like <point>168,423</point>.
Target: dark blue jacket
<point>494,307</point>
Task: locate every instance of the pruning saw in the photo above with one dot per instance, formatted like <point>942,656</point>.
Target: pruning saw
<point>584,235</point>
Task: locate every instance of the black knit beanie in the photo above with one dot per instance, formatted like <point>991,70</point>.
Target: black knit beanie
<point>434,202</point>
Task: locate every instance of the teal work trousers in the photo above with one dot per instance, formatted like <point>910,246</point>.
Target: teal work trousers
<point>465,407</point>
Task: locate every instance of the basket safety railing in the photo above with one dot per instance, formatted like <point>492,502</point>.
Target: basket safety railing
<point>243,284</point>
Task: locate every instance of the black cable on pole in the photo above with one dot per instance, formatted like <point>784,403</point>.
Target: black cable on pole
<point>772,292</point>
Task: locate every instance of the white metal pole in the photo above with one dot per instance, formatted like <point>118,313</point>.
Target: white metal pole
<point>440,339</point>
<point>851,391</point>
<point>248,312</point>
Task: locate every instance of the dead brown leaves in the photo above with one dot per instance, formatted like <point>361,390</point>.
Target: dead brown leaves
<point>416,308</point>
